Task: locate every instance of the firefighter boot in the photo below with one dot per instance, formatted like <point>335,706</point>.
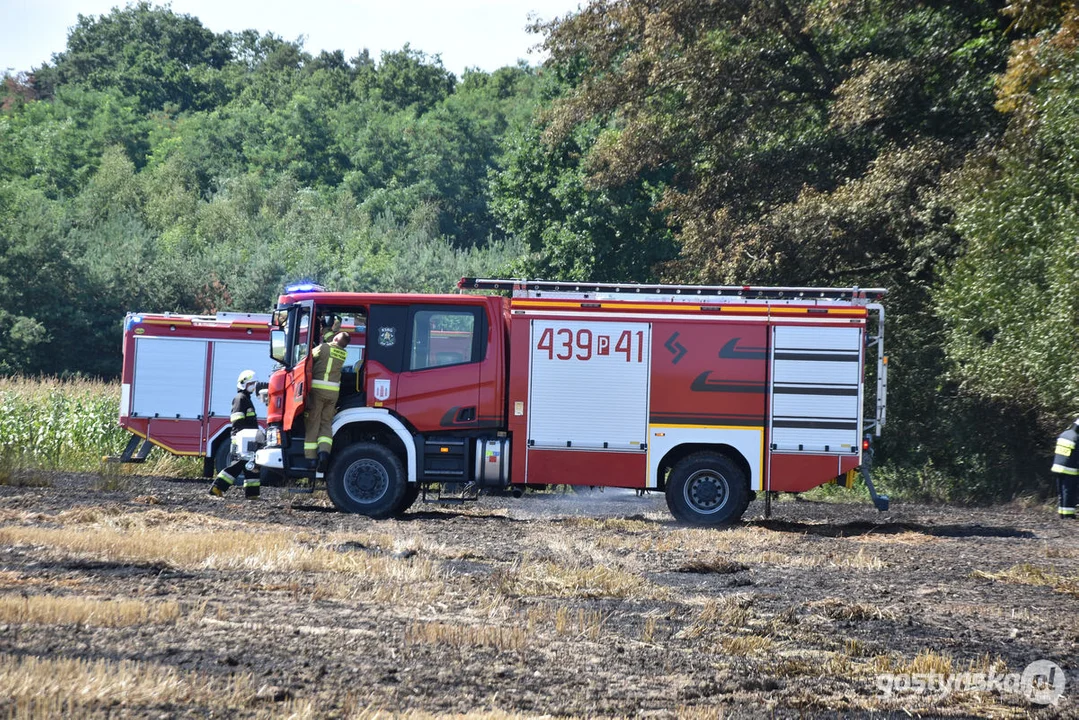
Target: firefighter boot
<point>220,486</point>
<point>251,491</point>
<point>323,462</point>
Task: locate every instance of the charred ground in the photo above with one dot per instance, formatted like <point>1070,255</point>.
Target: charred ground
<point>590,604</point>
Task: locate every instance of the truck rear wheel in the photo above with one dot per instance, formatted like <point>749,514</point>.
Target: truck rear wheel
<point>409,497</point>
<point>368,479</point>
<point>707,488</point>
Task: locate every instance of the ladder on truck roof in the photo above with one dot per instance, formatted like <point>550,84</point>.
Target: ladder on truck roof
<point>672,293</point>
<point>868,297</point>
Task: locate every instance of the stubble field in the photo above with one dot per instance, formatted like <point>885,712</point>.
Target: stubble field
<point>138,596</point>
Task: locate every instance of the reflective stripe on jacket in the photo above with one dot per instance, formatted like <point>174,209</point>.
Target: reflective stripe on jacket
<point>243,415</point>
<point>328,362</point>
<point>1066,459</point>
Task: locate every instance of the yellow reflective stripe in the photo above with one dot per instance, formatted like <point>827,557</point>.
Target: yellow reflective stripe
<point>310,445</point>
<point>250,413</point>
<point>1064,469</point>
<point>1066,511</point>
<point>226,477</point>
<point>236,416</point>
<point>325,385</point>
<point>325,439</point>
<point>1064,447</point>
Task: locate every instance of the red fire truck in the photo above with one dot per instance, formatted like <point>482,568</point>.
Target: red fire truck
<point>179,379</point>
<point>710,394</point>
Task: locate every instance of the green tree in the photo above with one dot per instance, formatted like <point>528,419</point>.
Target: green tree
<point>1011,302</point>
<point>574,230</point>
<point>148,53</point>
<point>408,79</point>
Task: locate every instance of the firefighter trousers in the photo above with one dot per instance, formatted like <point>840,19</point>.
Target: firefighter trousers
<point>1067,486</point>
<point>233,474</point>
<point>318,421</point>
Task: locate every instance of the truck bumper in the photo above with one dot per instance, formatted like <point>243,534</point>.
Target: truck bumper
<point>269,457</point>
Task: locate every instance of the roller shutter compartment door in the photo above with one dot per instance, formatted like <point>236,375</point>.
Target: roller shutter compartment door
<point>589,384</point>
<point>170,378</point>
<point>816,389</point>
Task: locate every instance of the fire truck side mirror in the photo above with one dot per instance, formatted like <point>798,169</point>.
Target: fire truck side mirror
<point>277,345</point>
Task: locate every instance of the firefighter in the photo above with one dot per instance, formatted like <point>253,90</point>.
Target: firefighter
<point>328,360</point>
<point>331,325</point>
<point>243,417</point>
<point>1066,468</point>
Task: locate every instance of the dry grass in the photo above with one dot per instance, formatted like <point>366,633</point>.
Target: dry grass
<point>904,538</point>
<point>507,639</point>
<point>928,661</point>
<point>732,612</point>
<point>744,645</point>
<point>858,560</point>
<point>1027,574</point>
<point>68,610</point>
<point>36,686</point>
<point>547,579</point>
<point>269,551</point>
<point>582,623</point>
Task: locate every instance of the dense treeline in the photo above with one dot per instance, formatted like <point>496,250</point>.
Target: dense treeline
<point>924,147</point>
<point>154,165</point>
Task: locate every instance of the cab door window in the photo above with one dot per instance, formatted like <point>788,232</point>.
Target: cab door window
<point>443,337</point>
<point>302,344</point>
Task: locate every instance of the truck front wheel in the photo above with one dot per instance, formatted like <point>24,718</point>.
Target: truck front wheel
<point>707,488</point>
<point>368,479</point>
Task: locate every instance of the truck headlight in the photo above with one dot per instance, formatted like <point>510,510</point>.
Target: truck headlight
<point>273,436</point>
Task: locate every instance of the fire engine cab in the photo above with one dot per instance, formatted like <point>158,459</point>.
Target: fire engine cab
<point>710,394</point>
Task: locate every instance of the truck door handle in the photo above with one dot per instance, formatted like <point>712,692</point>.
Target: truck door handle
<point>467,414</point>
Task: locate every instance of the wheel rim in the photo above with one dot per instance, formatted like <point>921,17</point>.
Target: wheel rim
<point>706,491</point>
<point>366,481</point>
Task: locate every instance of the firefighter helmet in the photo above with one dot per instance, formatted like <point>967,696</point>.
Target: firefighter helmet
<point>247,376</point>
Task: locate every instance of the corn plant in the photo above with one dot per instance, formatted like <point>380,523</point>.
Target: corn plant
<point>58,424</point>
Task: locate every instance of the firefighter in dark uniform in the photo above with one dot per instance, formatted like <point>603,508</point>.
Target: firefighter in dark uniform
<point>1066,468</point>
<point>327,361</point>
<point>243,417</point>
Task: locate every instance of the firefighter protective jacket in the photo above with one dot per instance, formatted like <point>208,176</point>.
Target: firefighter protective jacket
<point>243,416</point>
<point>1066,459</point>
<point>329,360</point>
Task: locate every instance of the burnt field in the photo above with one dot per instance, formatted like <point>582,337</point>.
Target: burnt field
<point>129,596</point>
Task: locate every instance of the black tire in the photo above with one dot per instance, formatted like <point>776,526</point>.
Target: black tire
<point>707,488</point>
<point>367,479</point>
<point>408,499</point>
<point>222,454</point>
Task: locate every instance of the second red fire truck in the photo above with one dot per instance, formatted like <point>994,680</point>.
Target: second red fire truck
<point>709,394</point>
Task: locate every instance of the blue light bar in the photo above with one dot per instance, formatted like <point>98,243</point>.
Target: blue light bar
<point>304,286</point>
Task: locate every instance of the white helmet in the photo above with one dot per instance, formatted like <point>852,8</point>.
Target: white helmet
<point>247,376</point>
